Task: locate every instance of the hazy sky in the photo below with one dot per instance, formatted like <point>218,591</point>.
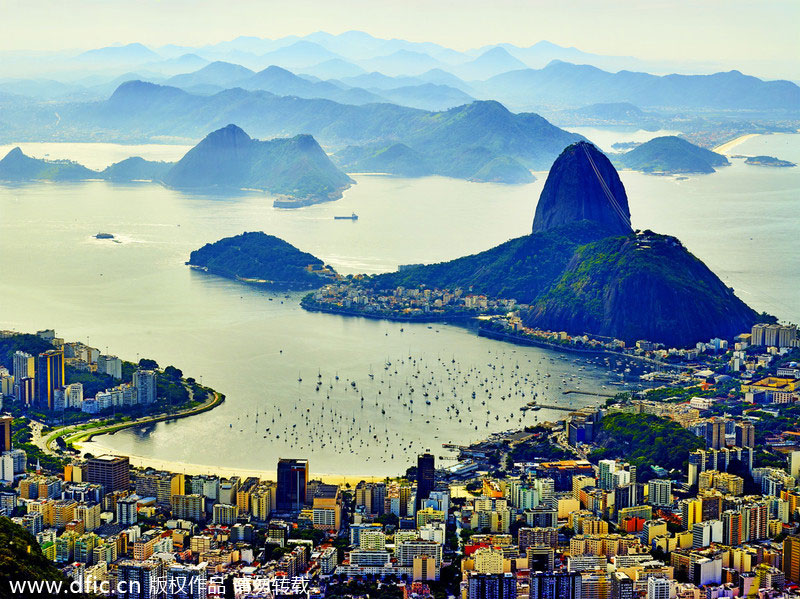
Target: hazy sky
<point>748,32</point>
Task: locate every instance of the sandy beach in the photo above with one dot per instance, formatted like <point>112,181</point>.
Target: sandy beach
<point>194,469</point>
<point>729,145</point>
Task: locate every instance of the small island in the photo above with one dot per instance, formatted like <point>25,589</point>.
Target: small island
<point>768,161</point>
<point>671,155</point>
<point>624,146</point>
<point>261,259</point>
<point>295,170</point>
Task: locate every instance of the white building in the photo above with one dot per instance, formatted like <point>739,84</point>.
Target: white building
<point>73,395</point>
<point>110,365</point>
<point>658,588</point>
<point>145,383</point>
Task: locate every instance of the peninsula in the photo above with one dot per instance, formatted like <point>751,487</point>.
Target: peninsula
<point>582,270</point>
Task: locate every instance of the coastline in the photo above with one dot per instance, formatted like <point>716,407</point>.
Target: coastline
<point>224,471</point>
<point>729,145</point>
<point>79,433</point>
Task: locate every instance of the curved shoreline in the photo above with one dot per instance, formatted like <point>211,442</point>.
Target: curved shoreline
<point>79,435</point>
<point>446,319</point>
<point>729,145</point>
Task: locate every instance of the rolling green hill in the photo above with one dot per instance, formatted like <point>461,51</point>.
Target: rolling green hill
<point>22,559</point>
<point>230,159</point>
<point>670,154</point>
<point>16,166</point>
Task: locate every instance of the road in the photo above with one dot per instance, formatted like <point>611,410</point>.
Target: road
<point>85,430</point>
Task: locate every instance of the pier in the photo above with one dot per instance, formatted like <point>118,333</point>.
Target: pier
<point>568,391</point>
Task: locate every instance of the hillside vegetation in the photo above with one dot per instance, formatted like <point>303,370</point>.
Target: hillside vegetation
<point>645,440</point>
<point>670,154</point>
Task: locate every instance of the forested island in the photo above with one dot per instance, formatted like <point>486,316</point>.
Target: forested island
<point>258,258</point>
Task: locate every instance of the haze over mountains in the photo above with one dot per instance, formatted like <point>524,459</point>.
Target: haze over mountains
<point>295,169</point>
<point>357,68</point>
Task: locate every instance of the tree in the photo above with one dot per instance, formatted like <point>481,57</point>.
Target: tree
<point>148,364</point>
<point>515,526</point>
<point>173,373</point>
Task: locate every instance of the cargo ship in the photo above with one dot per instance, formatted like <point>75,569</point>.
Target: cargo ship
<point>353,216</point>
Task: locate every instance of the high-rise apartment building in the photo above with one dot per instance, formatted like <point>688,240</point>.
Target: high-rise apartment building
<point>658,588</point>
<point>555,585</point>
<point>112,472</point>
<point>292,485</point>
<point>5,433</point>
<point>659,493</point>
<point>127,510</point>
<point>491,586</point>
<point>791,558</point>
<point>49,377</point>
<point>145,382</point>
<point>425,477</point>
<point>23,366</point>
<point>745,434</point>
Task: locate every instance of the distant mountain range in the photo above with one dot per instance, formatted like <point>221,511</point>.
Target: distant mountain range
<point>564,84</point>
<point>509,81</point>
<point>523,78</point>
<point>218,76</point>
<point>356,48</point>
<point>458,142</point>
<point>295,169</point>
<point>670,154</point>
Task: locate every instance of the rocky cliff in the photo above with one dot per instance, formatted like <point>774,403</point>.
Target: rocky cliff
<point>583,185</point>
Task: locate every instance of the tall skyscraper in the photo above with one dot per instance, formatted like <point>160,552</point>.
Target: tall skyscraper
<point>292,485</point>
<point>49,376</point>
<point>794,464</point>
<point>379,498</point>
<point>5,433</point>
<point>113,472</point>
<point>715,434</point>
<point>791,558</point>
<point>426,474</point>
